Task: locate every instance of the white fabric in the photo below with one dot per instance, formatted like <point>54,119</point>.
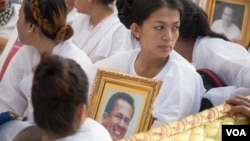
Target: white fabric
<point>13,38</point>
<point>72,16</point>
<point>180,93</point>
<point>10,129</point>
<point>5,31</point>
<point>90,131</point>
<point>230,61</point>
<point>220,94</point>
<point>15,86</point>
<point>107,38</point>
<point>232,32</point>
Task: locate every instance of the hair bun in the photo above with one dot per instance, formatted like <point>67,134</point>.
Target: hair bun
<point>48,76</point>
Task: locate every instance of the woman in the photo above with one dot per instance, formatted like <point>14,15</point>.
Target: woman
<point>8,18</point>
<point>40,32</point>
<point>99,32</point>
<point>155,24</point>
<point>60,101</point>
<point>206,49</point>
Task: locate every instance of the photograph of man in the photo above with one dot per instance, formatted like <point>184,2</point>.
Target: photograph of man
<point>118,114</point>
<point>226,24</point>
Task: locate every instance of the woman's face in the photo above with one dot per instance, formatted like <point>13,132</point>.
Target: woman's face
<point>23,27</point>
<point>3,5</point>
<point>159,32</point>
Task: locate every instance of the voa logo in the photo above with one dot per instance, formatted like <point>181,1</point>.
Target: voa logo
<point>236,132</point>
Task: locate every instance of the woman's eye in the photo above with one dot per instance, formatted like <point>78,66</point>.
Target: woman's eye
<point>176,27</point>
<point>159,27</point>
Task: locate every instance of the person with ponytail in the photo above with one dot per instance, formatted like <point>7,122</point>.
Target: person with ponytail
<point>41,28</point>
<point>206,49</point>
<point>59,96</point>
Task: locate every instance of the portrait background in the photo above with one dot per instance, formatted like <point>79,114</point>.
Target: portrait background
<point>238,12</point>
<point>242,7</point>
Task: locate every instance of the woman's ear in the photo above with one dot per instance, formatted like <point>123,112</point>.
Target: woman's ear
<point>81,112</point>
<point>31,28</point>
<point>135,29</point>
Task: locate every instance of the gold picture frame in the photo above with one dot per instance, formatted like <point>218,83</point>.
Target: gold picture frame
<point>143,91</point>
<point>205,125</point>
<point>214,10</point>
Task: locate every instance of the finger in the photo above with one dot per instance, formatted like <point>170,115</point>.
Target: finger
<point>241,109</point>
<point>239,100</point>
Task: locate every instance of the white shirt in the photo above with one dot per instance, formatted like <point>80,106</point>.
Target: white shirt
<point>230,61</point>
<point>72,16</point>
<point>107,38</point>
<point>90,131</point>
<point>181,92</point>
<point>15,86</point>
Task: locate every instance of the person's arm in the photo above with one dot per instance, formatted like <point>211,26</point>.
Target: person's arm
<point>3,42</point>
<point>240,104</point>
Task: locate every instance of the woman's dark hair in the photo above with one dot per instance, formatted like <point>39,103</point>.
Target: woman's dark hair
<point>124,11</point>
<point>105,2</point>
<point>50,16</point>
<point>59,87</point>
<point>141,9</point>
<point>195,22</point>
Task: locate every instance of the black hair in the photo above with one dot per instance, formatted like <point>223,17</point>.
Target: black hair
<point>59,87</point>
<point>119,95</point>
<point>137,11</point>
<point>195,22</point>
<point>142,9</point>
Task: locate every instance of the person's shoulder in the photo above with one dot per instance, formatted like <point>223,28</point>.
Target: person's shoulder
<point>178,59</point>
<point>178,62</point>
<point>93,128</point>
<point>70,50</point>
<point>119,57</point>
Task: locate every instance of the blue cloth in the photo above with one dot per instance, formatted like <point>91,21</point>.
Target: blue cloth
<point>6,116</point>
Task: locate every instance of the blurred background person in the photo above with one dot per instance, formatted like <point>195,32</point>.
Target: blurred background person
<point>100,33</point>
<point>8,18</point>
<point>72,13</point>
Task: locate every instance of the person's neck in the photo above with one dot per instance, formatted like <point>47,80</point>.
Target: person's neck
<point>148,66</point>
<point>69,9</point>
<point>99,13</point>
<point>45,44</point>
<point>50,136</point>
<point>185,47</point>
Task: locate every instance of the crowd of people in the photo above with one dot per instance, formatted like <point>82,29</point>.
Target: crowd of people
<point>48,81</point>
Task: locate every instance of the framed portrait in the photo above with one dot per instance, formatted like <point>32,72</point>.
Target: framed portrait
<point>110,102</point>
<point>231,18</point>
